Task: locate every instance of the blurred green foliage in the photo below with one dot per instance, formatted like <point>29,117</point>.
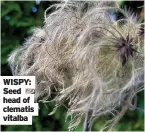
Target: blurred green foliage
<point>17,21</point>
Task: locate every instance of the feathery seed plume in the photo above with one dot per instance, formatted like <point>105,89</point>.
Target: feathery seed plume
<point>85,58</point>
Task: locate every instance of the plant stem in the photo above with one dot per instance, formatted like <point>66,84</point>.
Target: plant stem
<point>87,126</point>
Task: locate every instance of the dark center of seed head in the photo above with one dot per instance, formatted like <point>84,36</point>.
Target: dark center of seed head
<point>125,49</point>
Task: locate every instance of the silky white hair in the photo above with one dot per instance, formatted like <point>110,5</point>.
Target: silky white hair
<point>84,58</point>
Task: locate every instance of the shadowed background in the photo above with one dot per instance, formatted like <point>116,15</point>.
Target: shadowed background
<point>17,22</point>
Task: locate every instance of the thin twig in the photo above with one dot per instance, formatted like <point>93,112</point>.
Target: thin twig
<point>136,108</point>
<point>124,109</point>
<point>134,105</point>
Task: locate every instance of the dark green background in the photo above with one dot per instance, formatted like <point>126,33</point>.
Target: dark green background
<point>17,22</point>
